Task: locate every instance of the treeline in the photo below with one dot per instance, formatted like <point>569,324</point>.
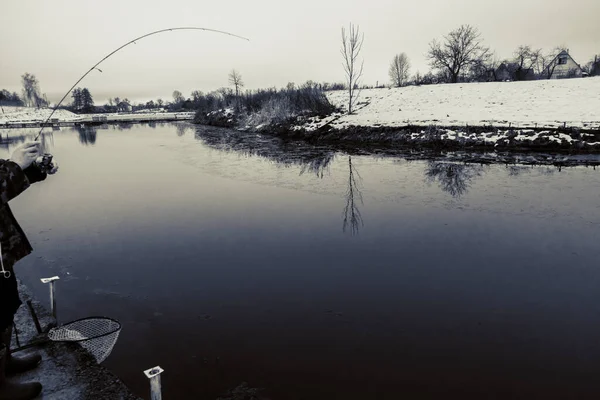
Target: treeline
<point>462,56</point>
<point>265,106</point>
<point>32,95</point>
<point>10,99</point>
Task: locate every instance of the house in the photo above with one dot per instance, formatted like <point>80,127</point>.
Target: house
<point>508,71</point>
<point>502,73</point>
<point>123,107</point>
<point>562,66</point>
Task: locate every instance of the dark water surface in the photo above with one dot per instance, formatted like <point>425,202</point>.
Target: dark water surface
<point>234,259</point>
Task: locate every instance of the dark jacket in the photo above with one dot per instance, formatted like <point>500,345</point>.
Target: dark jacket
<point>13,181</point>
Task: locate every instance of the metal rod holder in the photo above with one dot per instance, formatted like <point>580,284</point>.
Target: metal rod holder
<point>153,374</point>
<point>52,294</point>
<point>36,321</point>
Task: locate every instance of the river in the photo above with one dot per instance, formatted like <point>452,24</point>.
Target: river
<point>314,273</point>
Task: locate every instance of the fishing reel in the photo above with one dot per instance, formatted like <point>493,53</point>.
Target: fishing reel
<point>44,163</point>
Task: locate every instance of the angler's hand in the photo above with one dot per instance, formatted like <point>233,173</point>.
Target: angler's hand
<point>25,154</point>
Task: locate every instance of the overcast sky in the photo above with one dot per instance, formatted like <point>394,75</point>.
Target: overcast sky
<point>290,41</point>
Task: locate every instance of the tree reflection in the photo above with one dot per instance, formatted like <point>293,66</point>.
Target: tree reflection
<point>352,215</point>
<point>311,158</point>
<point>87,135</point>
<point>46,142</point>
<point>517,170</point>
<point>318,165</point>
<point>454,179</point>
<point>182,129</point>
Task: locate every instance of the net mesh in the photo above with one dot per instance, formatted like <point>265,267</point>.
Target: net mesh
<point>97,335</point>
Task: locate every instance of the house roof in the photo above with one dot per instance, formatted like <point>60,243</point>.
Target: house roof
<point>563,53</point>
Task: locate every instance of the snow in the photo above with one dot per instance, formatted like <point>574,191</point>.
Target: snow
<point>14,115</point>
<point>547,103</point>
<point>30,114</point>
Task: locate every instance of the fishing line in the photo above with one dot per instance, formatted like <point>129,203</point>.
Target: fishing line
<point>125,45</point>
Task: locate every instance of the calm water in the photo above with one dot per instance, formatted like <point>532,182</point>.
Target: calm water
<point>318,275</point>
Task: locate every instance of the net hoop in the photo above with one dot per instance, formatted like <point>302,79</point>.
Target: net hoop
<point>66,326</point>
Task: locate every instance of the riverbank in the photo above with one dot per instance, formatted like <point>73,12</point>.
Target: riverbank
<point>67,371</point>
<point>27,117</point>
<point>557,116</point>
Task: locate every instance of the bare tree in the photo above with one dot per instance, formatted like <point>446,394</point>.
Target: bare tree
<point>526,59</point>
<point>460,49</point>
<point>31,90</point>
<point>178,97</point>
<point>399,70</point>
<point>351,47</point>
<point>484,69</point>
<point>593,66</point>
<point>417,78</point>
<point>235,79</point>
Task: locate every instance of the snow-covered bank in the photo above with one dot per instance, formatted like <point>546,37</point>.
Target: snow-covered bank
<point>31,114</point>
<point>484,139</point>
<point>543,103</point>
<point>28,115</point>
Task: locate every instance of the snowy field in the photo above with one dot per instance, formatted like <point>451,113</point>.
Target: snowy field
<point>31,114</point>
<point>547,103</point>
<point>17,115</point>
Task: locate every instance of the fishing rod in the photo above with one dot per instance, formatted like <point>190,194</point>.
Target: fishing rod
<point>125,45</point>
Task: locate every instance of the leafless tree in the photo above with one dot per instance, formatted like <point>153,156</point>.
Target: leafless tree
<point>351,47</point>
<point>178,97</point>
<point>352,215</point>
<point>399,70</point>
<point>460,49</point>
<point>196,95</point>
<point>31,90</point>
<point>417,78</point>
<point>484,69</point>
<point>594,66</point>
<point>526,59</point>
<point>235,79</point>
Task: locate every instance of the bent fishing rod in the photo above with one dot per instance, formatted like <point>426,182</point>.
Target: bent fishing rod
<point>125,45</point>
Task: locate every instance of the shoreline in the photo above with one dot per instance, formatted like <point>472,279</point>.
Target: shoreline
<point>478,138</point>
<point>67,371</point>
<point>38,121</point>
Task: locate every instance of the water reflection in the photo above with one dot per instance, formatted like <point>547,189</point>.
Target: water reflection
<point>311,158</point>
<point>182,129</point>
<point>9,141</point>
<point>352,215</point>
<point>87,134</point>
<point>454,179</point>
<point>123,126</point>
